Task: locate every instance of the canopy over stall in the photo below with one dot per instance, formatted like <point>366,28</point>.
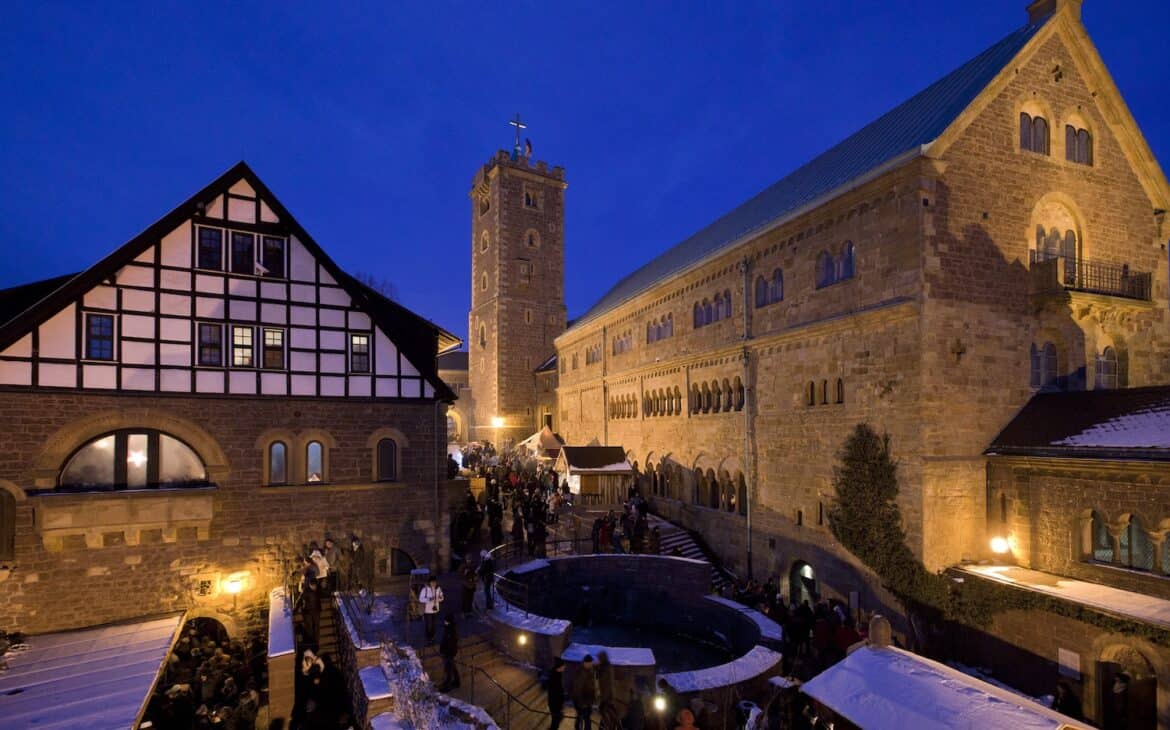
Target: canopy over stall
<point>544,445</point>
<point>598,473</point>
<point>95,678</point>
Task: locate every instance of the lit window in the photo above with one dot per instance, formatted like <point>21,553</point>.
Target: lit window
<point>359,353</point>
<point>273,257</point>
<point>387,460</point>
<point>210,344</point>
<point>242,355</point>
<point>243,253</point>
<point>133,460</point>
<point>210,249</point>
<point>99,336</point>
<point>273,349</point>
<point>278,463</point>
<point>314,462</point>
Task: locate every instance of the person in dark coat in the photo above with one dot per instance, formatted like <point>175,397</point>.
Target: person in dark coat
<point>448,649</point>
<point>487,574</point>
<point>584,694</point>
<point>1065,702</point>
<point>556,693</point>
<point>310,603</point>
<point>470,581</point>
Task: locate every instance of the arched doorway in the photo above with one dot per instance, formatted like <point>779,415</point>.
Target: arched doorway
<point>1127,689</point>
<point>802,583</point>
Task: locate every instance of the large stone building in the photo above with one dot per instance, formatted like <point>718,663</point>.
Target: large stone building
<point>181,418</point>
<point>999,234</point>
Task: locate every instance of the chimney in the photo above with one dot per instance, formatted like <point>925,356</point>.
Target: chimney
<point>1041,10</point>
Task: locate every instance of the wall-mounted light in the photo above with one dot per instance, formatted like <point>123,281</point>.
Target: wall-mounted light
<point>659,703</point>
<point>497,422</point>
<point>1000,545</point>
<point>522,639</point>
<point>233,585</point>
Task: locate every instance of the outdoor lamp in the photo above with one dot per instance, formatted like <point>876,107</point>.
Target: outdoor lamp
<point>233,585</point>
<point>523,639</point>
<point>659,703</point>
<point>999,545</point>
<point>497,422</point>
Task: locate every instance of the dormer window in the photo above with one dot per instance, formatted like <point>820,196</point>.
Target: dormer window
<point>1033,133</point>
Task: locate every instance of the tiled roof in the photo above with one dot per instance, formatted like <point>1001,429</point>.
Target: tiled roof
<point>902,130</point>
<point>1130,423</point>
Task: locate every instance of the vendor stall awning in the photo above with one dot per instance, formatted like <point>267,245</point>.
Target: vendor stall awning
<point>99,678</point>
<point>593,460</point>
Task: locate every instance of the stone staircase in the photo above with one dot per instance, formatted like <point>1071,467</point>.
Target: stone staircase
<point>689,546</point>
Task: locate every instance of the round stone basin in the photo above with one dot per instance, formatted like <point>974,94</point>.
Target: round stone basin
<point>673,652</point>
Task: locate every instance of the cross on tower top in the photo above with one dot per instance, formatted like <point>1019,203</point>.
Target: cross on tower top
<point>518,125</point>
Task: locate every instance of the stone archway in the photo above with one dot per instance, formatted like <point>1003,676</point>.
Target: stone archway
<point>1145,686</point>
<point>802,583</point>
<point>229,624</point>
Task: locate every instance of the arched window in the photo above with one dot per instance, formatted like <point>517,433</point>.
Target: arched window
<point>677,400</point>
<point>707,312</point>
<point>824,392</point>
<point>717,308</point>
<point>1107,369</point>
<point>761,292</point>
<point>1033,133</point>
<point>669,325</point>
<point>1137,550</point>
<point>706,398</point>
<point>698,315</point>
<point>728,395</point>
<point>1100,547</point>
<point>400,562</point>
<point>133,459</point>
<point>1078,145</point>
<point>387,460</point>
<point>483,335</point>
<point>728,310</point>
<point>776,288</point>
<point>812,393</point>
<point>483,242</point>
<point>1044,366</point>
<point>824,269</point>
<point>739,394</point>
<point>7,527</point>
<point>314,462</point>
<point>483,281</point>
<point>277,463</point>
<point>532,238</point>
<point>840,390</point>
<point>716,397</point>
<point>846,264</point>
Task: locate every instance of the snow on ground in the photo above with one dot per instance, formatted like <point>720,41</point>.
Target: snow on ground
<point>1113,601</point>
<point>96,678</point>
<point>756,662</point>
<point>879,688</point>
<point>505,613</point>
<point>281,636</point>
<point>621,656</point>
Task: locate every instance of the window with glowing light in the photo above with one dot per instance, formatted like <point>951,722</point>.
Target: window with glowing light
<point>314,462</point>
<point>133,459</point>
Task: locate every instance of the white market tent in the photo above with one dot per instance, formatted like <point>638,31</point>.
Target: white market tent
<point>100,678</point>
<point>885,687</point>
<point>544,444</point>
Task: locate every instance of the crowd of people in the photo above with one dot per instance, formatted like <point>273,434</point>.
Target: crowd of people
<point>209,681</point>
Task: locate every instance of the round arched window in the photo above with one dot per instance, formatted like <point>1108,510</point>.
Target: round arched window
<point>133,459</point>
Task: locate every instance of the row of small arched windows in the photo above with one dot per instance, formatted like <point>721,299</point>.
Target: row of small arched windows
<point>1045,368</point>
<point>771,290</point>
<point>624,343</point>
<point>708,311</point>
<point>821,395</point>
<point>624,406</point>
<point>314,468</point>
<point>662,402</point>
<point>660,329</point>
<point>592,354</point>
<point>714,397</point>
<point>1034,137</point>
<point>832,269</point>
<point>1127,544</point>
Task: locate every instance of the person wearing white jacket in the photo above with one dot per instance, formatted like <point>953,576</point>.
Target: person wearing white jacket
<point>431,596</point>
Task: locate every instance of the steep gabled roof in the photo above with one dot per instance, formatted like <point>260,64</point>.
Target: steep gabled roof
<point>900,132</point>
<point>1130,423</point>
<point>25,307</point>
<point>456,360</point>
<point>549,365</point>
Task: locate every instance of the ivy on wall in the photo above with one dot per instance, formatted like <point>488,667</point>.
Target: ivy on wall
<point>865,518</point>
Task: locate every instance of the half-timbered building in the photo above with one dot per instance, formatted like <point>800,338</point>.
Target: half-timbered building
<point>182,417</point>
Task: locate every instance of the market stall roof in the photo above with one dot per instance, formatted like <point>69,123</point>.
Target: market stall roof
<point>544,444</point>
<point>885,687</point>
<point>99,678</point>
<point>593,460</point>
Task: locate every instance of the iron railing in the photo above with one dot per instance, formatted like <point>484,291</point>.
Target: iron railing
<point>1054,272</point>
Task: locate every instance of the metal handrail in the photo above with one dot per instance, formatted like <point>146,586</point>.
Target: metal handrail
<point>503,690</point>
<point>1098,277</point>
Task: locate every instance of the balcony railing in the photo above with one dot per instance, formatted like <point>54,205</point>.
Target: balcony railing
<point>1053,272</point>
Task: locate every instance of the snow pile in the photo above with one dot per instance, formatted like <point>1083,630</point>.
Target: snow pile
<point>759,660</point>
<point>417,704</point>
<point>281,636</point>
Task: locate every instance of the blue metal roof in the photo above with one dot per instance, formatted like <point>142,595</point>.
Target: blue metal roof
<point>907,127</point>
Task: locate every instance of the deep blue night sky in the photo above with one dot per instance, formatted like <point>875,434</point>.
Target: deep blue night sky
<point>369,122</point>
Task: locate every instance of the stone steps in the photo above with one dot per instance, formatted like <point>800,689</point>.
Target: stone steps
<point>673,536</point>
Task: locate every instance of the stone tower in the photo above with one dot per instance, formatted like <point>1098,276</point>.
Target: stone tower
<point>517,290</point>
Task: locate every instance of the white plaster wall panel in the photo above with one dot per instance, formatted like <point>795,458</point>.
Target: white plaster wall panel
<point>215,207</point>
<point>428,391</point>
<point>208,284</point>
<point>332,318</point>
<point>385,354</point>
<point>243,211</point>
<point>242,311</point>
<point>273,313</point>
<point>242,381</point>
<point>211,308</point>
<point>176,246</point>
<point>209,381</point>
<point>179,280</point>
<point>172,354</point>
<point>303,362</point>
<point>146,257</point>
<point>137,300</point>
<point>305,338</point>
<point>325,277</point>
<point>332,362</point>
<point>16,373</point>
<point>135,276</point>
<point>273,384</point>
<point>408,369</point>
<point>171,328</point>
<point>99,376</point>
<point>175,381</point>
<point>332,340</point>
<point>359,385</point>
<point>101,297</point>
<point>359,321</point>
<point>176,304</point>
<point>302,265</point>
<point>267,215</point>
<point>274,290</point>
<point>303,315</point>
<point>334,296</point>
<point>56,375</point>
<point>138,353</point>
<point>303,293</point>
<point>241,187</point>
<point>56,334</point>
<point>137,379</point>
<point>387,388</point>
<point>20,348</point>
<point>134,325</point>
<point>304,385</point>
<point>242,287</point>
<point>332,386</point>
<point>411,388</point>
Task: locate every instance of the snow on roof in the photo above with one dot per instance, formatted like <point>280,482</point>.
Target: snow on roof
<point>760,660</point>
<point>281,636</point>
<point>1113,601</point>
<point>374,683</point>
<point>97,678</point>
<point>593,460</point>
<point>886,687</point>
<point>619,656</point>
